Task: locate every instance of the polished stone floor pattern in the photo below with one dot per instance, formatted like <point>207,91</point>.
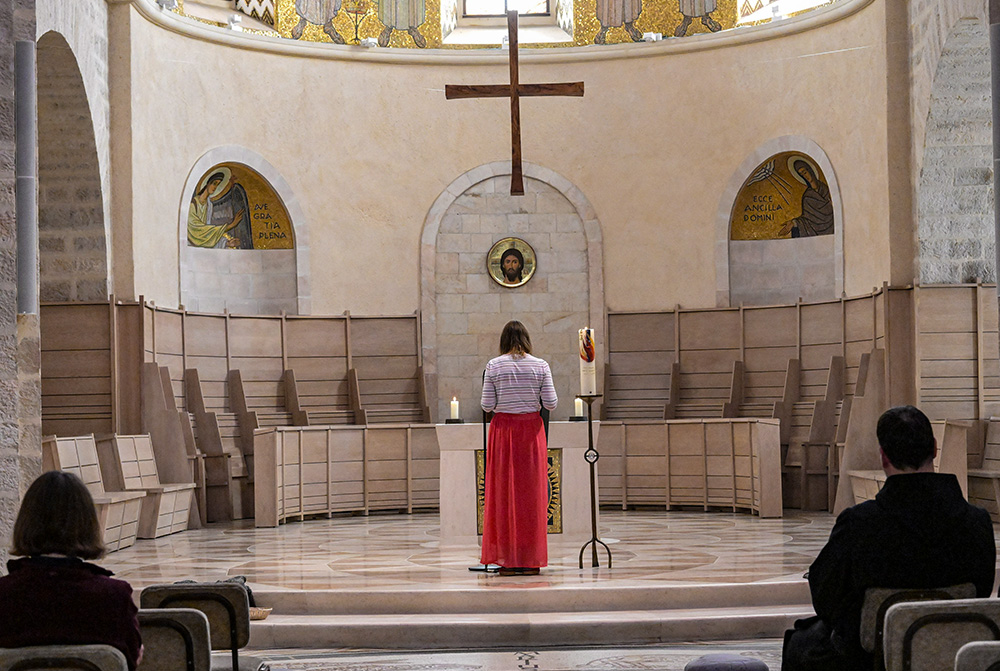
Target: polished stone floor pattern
<point>652,658</point>
<point>398,551</point>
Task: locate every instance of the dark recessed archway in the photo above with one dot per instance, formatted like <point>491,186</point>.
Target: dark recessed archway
<point>72,242</point>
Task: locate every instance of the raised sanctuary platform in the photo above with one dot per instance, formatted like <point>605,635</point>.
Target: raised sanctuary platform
<point>386,581</point>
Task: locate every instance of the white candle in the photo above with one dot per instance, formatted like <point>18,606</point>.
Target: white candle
<point>588,362</point>
<point>454,407</point>
<point>579,407</point>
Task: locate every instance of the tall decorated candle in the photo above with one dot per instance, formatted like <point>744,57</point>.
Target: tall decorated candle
<point>588,363</point>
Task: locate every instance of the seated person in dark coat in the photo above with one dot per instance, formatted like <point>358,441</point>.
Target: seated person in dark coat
<point>919,532</point>
<point>51,596</point>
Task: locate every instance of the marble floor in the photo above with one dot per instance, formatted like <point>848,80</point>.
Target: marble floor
<point>397,553</point>
<point>403,552</point>
<point>651,658</point>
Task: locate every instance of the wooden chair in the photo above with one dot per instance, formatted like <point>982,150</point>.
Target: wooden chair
<point>217,433</point>
<point>227,607</point>
<point>117,511</point>
<point>63,657</point>
<point>879,599</point>
<point>128,464</point>
<point>926,636</point>
<point>174,639</point>
<point>984,482</point>
<point>317,400</point>
<point>978,656</point>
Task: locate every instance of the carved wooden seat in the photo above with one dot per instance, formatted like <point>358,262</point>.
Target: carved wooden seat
<point>117,511</point>
<point>128,464</point>
<point>984,482</point>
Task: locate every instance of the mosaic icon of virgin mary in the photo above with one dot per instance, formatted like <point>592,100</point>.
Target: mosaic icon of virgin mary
<point>219,214</point>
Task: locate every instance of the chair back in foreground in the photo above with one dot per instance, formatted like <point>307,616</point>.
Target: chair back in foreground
<point>879,599</point>
<point>174,639</point>
<point>226,605</point>
<point>978,656</point>
<point>63,657</point>
<point>927,635</point>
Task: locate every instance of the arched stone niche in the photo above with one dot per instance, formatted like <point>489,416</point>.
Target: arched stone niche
<point>72,242</point>
<point>774,268</point>
<point>243,280</point>
<point>955,191</point>
<point>463,309</point>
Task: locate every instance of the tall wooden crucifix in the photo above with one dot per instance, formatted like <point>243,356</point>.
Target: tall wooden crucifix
<point>515,91</point>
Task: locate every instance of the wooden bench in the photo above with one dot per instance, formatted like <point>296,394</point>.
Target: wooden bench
<point>315,400</point>
<point>117,511</point>
<point>386,371</point>
<point>217,434</point>
<point>984,482</point>
<point>704,394</point>
<point>128,464</point>
<point>637,374</point>
<point>809,462</point>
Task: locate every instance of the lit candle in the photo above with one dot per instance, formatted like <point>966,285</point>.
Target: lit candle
<point>454,407</point>
<point>588,365</point>
<point>579,407</point>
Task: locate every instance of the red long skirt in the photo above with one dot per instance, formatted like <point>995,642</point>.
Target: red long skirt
<point>515,513</point>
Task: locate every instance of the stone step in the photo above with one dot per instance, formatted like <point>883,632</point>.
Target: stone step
<point>530,594</point>
<point>505,630</point>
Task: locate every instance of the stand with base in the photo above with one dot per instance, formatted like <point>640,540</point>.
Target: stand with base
<point>591,455</point>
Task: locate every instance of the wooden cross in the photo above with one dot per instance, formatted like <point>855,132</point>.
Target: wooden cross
<point>515,91</point>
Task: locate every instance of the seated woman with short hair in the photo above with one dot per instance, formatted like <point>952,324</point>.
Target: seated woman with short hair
<point>51,596</point>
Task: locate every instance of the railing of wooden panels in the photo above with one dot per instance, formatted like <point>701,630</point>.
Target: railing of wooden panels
<point>940,342</point>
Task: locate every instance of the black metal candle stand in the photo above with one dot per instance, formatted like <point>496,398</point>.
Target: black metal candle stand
<point>591,456</point>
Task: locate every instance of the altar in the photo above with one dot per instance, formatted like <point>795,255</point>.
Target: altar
<point>458,444</point>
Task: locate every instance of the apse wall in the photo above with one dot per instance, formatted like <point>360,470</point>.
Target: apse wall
<point>367,141</point>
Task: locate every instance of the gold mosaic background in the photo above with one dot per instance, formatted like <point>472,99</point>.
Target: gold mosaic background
<point>270,225</point>
<point>770,196</point>
<point>658,16</point>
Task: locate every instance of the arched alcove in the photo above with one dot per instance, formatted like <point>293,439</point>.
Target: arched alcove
<point>779,270</point>
<point>73,248</point>
<point>463,309</point>
<point>254,277</point>
<point>955,191</point>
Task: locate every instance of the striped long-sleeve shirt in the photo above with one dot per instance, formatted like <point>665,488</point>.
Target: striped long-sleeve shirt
<point>517,385</point>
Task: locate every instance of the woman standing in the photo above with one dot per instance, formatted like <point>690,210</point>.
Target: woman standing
<point>515,515</point>
<point>52,596</point>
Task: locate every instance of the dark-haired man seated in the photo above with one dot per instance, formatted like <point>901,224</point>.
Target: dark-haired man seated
<point>918,532</point>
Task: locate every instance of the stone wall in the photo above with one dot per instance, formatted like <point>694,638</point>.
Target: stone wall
<point>931,22</point>
<point>82,26</point>
<point>955,189</point>
<point>71,235</point>
<point>17,22</point>
<point>472,309</point>
<point>243,281</point>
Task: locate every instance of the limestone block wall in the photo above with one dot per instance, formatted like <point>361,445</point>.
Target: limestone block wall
<point>931,22</point>
<point>17,457</point>
<point>82,26</point>
<point>955,190</point>
<point>771,272</point>
<point>472,309</point>
<point>243,281</point>
<point>71,237</point>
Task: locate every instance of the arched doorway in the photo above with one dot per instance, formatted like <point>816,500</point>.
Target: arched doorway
<point>464,305</point>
